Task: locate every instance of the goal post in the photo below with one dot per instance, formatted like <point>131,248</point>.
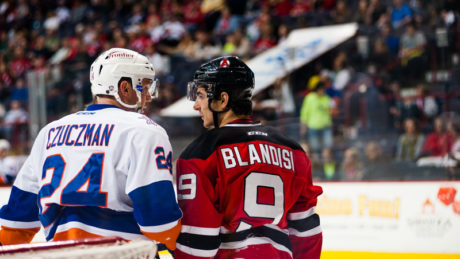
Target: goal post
<point>94,248</point>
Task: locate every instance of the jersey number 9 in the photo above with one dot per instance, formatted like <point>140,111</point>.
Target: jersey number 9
<point>263,194</point>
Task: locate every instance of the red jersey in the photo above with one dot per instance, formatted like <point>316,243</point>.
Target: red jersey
<point>246,191</point>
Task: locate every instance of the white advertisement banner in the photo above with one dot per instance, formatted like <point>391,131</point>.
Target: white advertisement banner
<point>406,217</point>
<point>301,47</point>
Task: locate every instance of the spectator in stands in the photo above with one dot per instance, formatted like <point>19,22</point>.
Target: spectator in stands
<point>361,16</point>
<point>226,24</point>
<point>410,143</point>
<point>211,10</point>
<point>442,146</point>
<point>381,57</point>
<point>328,169</point>
<point>401,14</point>
<point>254,27</point>
<point>328,78</point>
<point>341,73</point>
<point>16,114</point>
<point>426,103</point>
<point>204,47</point>
<point>79,62</point>
<point>411,52</point>
<point>136,16</point>
<point>454,152</point>
<point>300,8</point>
<point>351,168</point>
<point>406,108</point>
<point>282,92</point>
<point>375,11</point>
<point>265,40</point>
<point>281,8</point>
<point>373,153</point>
<point>20,92</point>
<point>316,119</point>
<point>438,142</point>
<point>9,165</point>
<point>341,13</point>
<point>170,32</point>
<point>19,65</point>
<point>14,118</point>
<point>276,102</point>
<point>139,38</point>
<point>6,81</point>
<point>39,49</point>
<point>185,48</point>
<point>52,41</point>
<point>390,39</point>
<point>237,44</point>
<point>283,32</point>
<point>193,17</point>
<point>159,62</point>
<point>375,161</point>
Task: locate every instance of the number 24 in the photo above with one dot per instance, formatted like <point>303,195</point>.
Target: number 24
<point>83,189</point>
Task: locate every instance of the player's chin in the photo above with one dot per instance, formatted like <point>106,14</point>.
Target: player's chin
<point>207,124</point>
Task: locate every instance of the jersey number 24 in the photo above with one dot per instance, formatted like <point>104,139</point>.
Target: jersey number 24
<point>82,190</point>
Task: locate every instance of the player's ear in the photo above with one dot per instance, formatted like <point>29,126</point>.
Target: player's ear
<point>123,89</point>
<point>224,99</point>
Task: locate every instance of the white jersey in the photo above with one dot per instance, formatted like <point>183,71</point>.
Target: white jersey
<point>103,171</point>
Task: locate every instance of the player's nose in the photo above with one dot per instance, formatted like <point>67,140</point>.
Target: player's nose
<point>196,106</point>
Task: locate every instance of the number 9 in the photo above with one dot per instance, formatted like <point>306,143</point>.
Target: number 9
<point>273,211</point>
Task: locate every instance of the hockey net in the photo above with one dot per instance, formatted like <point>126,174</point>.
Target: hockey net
<point>94,248</point>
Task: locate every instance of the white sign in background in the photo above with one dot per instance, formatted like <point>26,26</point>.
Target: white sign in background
<point>389,217</point>
<point>301,47</point>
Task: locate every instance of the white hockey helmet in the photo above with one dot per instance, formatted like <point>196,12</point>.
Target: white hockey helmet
<point>116,63</point>
<point>4,145</point>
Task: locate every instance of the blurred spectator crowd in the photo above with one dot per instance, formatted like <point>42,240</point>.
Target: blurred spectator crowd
<point>390,93</point>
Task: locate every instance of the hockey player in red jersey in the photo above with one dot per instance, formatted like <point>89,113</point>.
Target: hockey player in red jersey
<point>245,189</point>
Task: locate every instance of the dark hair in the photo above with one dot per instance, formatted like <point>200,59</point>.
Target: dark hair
<point>241,107</point>
<point>320,85</point>
<point>125,79</point>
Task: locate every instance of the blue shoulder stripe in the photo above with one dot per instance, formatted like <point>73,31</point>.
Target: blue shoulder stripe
<point>22,206</point>
<point>155,204</point>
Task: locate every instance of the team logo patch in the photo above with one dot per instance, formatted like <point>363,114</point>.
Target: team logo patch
<point>224,63</point>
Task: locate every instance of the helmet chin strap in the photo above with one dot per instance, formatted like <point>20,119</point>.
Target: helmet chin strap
<point>216,113</point>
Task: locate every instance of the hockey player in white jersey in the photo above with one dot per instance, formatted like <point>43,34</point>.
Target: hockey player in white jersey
<point>105,171</point>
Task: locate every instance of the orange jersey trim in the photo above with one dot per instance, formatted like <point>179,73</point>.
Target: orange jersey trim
<point>167,237</point>
<point>12,236</point>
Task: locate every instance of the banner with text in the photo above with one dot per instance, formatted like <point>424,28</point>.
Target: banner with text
<point>406,217</point>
